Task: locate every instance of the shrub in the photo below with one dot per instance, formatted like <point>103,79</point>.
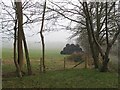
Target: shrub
<point>75,57</point>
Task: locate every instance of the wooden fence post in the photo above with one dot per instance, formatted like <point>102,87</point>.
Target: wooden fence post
<point>64,63</point>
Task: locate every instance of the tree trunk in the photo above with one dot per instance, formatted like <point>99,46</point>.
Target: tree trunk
<point>21,37</point>
<point>15,60</point>
<point>20,28</point>
<point>105,64</point>
<point>89,23</point>
<point>96,56</point>
<point>43,51</point>
<point>27,55</point>
<point>105,57</point>
<point>90,38</point>
<point>106,60</point>
<point>119,53</point>
<point>42,37</point>
<point>119,41</point>
<point>91,46</point>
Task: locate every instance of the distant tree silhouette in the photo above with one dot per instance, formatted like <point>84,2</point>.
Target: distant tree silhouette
<point>70,48</point>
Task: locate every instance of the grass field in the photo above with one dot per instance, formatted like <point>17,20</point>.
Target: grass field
<point>72,78</point>
<point>7,53</point>
<point>55,76</point>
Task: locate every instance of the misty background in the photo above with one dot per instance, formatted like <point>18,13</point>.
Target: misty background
<point>53,40</point>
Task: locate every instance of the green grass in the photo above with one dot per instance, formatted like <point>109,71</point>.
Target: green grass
<point>72,78</point>
<point>55,76</point>
<point>53,60</point>
<point>7,53</point>
<point>35,54</point>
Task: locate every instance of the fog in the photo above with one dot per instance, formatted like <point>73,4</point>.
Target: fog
<point>53,40</point>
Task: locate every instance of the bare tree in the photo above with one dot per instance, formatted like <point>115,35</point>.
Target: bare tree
<point>94,21</point>
<point>15,59</point>
<point>21,37</point>
<point>105,55</point>
<point>19,15</point>
<point>42,37</point>
<point>7,23</point>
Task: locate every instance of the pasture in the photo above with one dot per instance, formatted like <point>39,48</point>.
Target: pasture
<point>55,76</point>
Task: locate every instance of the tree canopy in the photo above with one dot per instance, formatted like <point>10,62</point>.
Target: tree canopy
<point>71,48</point>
